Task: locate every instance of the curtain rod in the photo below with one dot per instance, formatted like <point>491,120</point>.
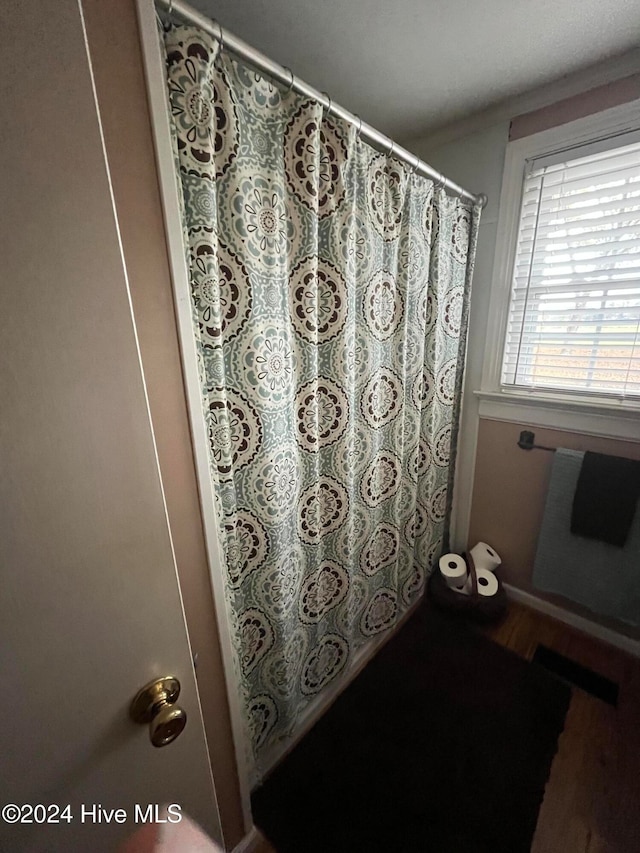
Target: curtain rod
<point>285,76</point>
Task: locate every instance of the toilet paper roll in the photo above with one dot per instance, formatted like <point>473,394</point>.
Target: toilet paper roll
<point>487,583</point>
<point>453,569</point>
<point>485,557</point>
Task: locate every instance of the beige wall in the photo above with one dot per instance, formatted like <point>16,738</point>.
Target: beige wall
<point>117,65</point>
<point>569,109</point>
<point>509,494</point>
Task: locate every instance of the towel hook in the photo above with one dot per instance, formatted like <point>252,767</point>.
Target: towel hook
<point>527,439</point>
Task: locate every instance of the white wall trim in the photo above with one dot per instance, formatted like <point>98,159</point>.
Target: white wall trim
<point>156,90</point>
<point>249,842</point>
<point>319,706</point>
<point>465,472</point>
<point>580,623</point>
<point>561,415</point>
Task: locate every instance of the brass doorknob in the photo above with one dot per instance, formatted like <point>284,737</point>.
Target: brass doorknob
<point>155,704</point>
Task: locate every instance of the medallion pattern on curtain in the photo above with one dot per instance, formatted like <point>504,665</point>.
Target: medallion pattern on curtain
<point>329,291</point>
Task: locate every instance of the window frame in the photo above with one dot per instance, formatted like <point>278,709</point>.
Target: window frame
<point>587,413</point>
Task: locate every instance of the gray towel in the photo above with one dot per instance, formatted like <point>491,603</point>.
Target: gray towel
<point>602,577</point>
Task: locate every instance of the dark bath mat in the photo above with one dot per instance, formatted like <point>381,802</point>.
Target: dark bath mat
<point>442,745</point>
<point>580,676</point>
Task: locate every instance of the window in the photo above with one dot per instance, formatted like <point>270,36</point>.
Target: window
<point>562,342</point>
<point>573,322</point>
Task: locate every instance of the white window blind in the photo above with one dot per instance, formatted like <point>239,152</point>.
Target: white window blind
<point>574,316</point>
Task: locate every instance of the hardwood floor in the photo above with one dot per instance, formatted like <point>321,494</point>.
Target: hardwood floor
<point>592,798</point>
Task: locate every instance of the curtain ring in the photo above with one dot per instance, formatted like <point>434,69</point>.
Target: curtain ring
<point>439,184</point>
<point>286,68</point>
<point>220,42</point>
<point>415,166</point>
<point>167,23</point>
<point>391,150</point>
<point>359,130</point>
<point>328,97</point>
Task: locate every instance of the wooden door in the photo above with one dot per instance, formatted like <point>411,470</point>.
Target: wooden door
<point>90,607</point>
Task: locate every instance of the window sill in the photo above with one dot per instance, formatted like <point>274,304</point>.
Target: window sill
<point>606,419</point>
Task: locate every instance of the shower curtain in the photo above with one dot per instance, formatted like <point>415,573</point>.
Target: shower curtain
<point>330,289</point>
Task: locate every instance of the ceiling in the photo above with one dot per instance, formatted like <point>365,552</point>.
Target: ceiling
<point>407,66</point>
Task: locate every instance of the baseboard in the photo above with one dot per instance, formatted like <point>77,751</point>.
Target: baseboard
<point>593,629</point>
<point>321,705</point>
<point>249,842</point>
